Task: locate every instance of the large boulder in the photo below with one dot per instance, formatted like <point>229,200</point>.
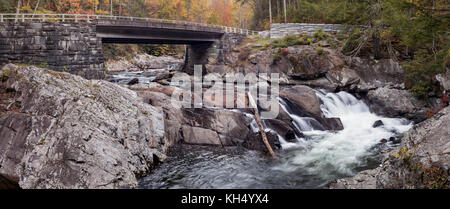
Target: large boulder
<point>254,142</point>
<point>307,64</point>
<point>377,73</point>
<point>231,126</point>
<point>344,78</point>
<point>422,160</point>
<point>304,96</point>
<point>200,136</point>
<point>62,131</point>
<point>396,103</point>
<point>286,130</point>
<point>303,101</point>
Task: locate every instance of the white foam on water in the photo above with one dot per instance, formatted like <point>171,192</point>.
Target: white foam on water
<point>329,153</point>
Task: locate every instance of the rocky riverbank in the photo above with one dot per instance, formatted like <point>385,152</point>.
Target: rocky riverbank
<point>59,130</point>
<point>142,68</point>
<point>143,62</point>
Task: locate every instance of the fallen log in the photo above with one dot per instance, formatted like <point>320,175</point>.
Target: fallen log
<point>260,125</point>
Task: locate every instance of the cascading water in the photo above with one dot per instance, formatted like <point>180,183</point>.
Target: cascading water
<point>336,154</point>
<point>310,162</point>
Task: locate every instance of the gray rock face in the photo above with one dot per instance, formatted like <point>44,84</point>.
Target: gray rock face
<point>307,64</point>
<point>377,73</point>
<point>200,136</point>
<point>396,103</point>
<point>363,180</point>
<point>67,132</point>
<point>305,103</point>
<point>422,160</point>
<point>203,126</point>
<point>444,80</point>
<point>304,96</point>
<point>146,62</point>
<point>287,131</point>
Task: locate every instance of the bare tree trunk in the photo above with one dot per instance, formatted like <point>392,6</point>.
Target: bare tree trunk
<point>120,8</point>
<point>278,8</point>
<point>270,10</point>
<point>376,46</point>
<point>35,8</point>
<point>261,127</point>
<point>111,12</point>
<point>376,30</point>
<point>285,15</point>
<point>18,10</point>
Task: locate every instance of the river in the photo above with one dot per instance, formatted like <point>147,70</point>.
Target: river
<point>310,162</point>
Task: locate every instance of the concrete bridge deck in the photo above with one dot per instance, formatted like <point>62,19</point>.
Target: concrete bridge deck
<point>126,31</point>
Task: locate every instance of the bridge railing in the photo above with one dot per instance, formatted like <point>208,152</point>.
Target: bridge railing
<point>27,17</point>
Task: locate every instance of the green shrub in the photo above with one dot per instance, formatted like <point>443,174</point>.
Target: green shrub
<point>154,49</point>
<point>320,35</point>
<point>319,50</point>
<point>115,51</point>
<point>43,65</point>
<point>4,76</point>
<point>421,71</point>
<point>289,40</point>
<point>352,41</point>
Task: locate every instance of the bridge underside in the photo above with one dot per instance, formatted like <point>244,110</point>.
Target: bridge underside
<point>150,41</point>
<point>203,43</point>
<point>155,33</point>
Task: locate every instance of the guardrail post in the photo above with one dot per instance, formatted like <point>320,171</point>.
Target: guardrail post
<point>88,20</point>
<point>76,18</point>
<point>1,17</point>
<point>64,18</point>
<point>23,17</point>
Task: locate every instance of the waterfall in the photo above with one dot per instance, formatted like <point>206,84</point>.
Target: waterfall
<point>327,153</point>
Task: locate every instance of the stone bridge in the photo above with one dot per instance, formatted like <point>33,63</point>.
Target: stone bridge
<point>73,43</point>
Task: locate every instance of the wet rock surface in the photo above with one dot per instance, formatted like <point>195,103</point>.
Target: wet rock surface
<point>67,132</point>
<point>396,103</point>
<point>305,103</point>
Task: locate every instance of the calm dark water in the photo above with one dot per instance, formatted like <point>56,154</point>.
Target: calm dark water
<point>190,167</point>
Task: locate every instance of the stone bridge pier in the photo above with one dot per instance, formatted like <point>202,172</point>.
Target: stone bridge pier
<point>69,47</point>
<point>77,47</point>
<point>210,52</point>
